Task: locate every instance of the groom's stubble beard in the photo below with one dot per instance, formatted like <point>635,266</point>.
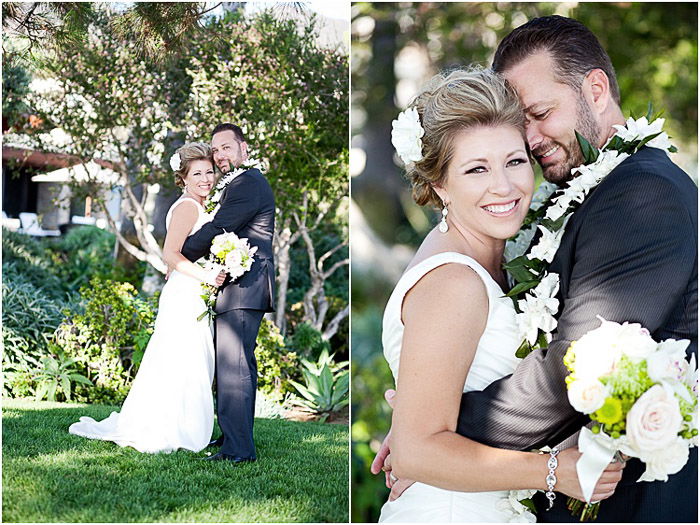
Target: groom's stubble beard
<point>587,126</point>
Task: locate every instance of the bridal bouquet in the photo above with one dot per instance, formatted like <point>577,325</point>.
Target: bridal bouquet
<point>231,254</point>
<point>641,397</point>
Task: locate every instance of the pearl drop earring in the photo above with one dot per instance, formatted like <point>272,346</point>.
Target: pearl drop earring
<point>443,227</point>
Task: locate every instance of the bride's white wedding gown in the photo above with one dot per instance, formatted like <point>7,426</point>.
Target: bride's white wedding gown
<point>494,358</point>
<point>170,405</point>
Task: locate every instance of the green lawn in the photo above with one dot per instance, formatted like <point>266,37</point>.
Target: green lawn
<point>51,476</point>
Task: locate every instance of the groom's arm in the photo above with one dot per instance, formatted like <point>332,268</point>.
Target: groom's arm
<point>236,210</point>
<point>635,254</point>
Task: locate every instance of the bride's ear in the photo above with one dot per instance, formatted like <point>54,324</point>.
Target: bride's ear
<point>441,193</point>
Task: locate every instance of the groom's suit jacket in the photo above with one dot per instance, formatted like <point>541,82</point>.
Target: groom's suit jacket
<point>628,254</point>
<point>248,210</point>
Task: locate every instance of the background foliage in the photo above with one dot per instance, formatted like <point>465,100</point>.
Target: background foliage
<point>127,86</point>
<point>398,46</point>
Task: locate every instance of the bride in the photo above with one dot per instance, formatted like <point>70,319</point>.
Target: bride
<point>170,404</point>
<point>448,327</point>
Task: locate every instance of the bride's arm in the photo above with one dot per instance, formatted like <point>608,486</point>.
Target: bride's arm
<point>183,219</point>
<point>444,317</point>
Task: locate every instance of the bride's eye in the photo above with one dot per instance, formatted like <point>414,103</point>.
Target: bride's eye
<point>477,169</point>
<point>516,162</point>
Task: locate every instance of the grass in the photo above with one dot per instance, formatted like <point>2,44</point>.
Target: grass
<point>49,475</point>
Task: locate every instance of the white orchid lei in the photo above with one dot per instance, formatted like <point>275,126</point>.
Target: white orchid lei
<point>534,293</point>
<point>217,191</point>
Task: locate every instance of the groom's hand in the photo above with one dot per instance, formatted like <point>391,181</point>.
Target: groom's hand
<point>382,461</point>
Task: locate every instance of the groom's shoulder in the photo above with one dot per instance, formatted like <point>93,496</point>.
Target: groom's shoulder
<point>650,170</point>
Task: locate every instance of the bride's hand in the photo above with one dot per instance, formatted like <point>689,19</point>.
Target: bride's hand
<point>567,478</point>
<point>215,278</point>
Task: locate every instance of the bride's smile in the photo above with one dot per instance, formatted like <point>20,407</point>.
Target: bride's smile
<point>489,182</point>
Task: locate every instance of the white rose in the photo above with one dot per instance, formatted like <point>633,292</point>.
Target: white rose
<point>175,162</point>
<point>665,461</point>
<point>588,395</point>
<point>635,341</point>
<point>654,421</point>
<point>594,358</point>
<point>233,260</point>
<point>668,361</point>
<point>406,134</point>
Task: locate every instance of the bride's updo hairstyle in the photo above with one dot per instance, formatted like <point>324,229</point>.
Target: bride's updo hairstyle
<point>188,153</point>
<point>449,103</point>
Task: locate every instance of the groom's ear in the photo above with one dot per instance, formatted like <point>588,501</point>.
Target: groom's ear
<point>596,89</point>
<point>244,151</point>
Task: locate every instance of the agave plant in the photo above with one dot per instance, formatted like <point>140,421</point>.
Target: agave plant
<point>326,384</point>
<point>56,376</point>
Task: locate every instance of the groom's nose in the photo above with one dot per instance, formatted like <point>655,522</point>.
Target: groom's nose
<point>533,135</point>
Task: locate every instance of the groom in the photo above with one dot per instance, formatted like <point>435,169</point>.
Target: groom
<point>629,254</point>
<point>248,210</point>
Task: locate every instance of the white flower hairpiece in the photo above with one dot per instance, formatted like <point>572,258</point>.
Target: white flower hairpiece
<point>406,136</point>
<point>175,162</point>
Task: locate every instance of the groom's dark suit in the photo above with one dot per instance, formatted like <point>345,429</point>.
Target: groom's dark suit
<point>248,210</point>
<point>628,254</point>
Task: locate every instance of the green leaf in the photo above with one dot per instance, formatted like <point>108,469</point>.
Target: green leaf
<point>615,143</point>
<point>65,386</point>
<point>51,393</point>
<point>650,111</point>
<point>647,139</point>
<point>521,287</point>
<point>523,350</point>
<point>41,391</point>
<point>521,274</point>
<point>80,379</point>
<point>542,340</point>
<point>590,154</point>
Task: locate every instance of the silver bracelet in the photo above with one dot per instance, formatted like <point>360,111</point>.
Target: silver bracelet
<point>551,478</point>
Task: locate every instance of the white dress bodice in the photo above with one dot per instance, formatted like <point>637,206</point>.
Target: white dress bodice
<point>494,359</point>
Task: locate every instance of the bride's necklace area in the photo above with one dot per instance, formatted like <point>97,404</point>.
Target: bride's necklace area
<point>197,198</point>
<point>467,248</point>
<point>534,293</point>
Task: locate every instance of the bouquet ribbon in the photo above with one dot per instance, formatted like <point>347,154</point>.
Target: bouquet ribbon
<point>597,450</point>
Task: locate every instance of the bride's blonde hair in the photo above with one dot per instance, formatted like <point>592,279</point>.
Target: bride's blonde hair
<point>450,102</point>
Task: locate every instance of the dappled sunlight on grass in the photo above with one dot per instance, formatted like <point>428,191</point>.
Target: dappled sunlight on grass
<point>50,475</point>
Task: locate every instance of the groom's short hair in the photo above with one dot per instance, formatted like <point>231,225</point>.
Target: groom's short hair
<point>573,47</point>
<point>227,126</point>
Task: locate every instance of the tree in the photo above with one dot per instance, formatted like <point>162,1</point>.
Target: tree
<point>161,29</point>
<point>288,94</point>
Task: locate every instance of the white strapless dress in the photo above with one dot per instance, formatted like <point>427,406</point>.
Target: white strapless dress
<point>170,404</point>
<point>494,358</point>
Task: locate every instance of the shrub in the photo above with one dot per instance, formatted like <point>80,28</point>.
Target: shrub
<point>276,366</point>
<point>327,385</point>
<point>56,376</point>
<point>107,333</point>
<point>83,253</point>
<point>308,342</point>
<point>29,259</point>
<point>29,319</point>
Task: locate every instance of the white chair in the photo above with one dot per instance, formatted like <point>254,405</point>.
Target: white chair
<point>30,226</point>
<point>79,219</point>
<point>11,224</point>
